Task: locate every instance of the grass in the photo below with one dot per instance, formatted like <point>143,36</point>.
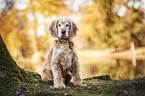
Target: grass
<point>94,87</point>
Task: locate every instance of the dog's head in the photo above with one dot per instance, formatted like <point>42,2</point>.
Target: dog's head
<point>63,28</point>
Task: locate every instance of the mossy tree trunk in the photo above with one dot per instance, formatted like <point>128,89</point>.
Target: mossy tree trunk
<point>12,77</point>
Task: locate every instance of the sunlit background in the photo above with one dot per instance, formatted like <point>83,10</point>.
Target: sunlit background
<point>110,41</point>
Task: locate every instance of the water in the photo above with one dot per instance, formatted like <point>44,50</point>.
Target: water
<point>116,68</point>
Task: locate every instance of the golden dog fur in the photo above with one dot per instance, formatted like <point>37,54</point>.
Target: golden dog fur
<point>62,63</point>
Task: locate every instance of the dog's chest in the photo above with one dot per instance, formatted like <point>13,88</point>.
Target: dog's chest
<point>66,57</point>
<point>66,60</point>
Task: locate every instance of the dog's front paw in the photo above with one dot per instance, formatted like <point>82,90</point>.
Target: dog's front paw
<point>59,86</point>
<point>80,84</point>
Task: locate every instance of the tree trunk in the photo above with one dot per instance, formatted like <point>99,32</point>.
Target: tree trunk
<point>132,44</point>
<point>12,77</point>
<point>34,37</point>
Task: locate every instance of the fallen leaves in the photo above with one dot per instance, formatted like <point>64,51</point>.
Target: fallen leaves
<point>37,85</point>
<point>66,94</point>
<point>51,87</point>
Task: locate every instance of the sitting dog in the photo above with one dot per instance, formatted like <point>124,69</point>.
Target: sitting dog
<point>62,61</point>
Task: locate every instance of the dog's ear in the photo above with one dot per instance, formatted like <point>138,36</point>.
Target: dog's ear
<point>53,29</point>
<point>73,29</point>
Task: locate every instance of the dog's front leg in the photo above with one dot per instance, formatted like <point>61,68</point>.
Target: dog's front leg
<point>57,77</point>
<point>76,71</point>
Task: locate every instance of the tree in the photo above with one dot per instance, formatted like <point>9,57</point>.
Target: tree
<point>107,29</point>
<point>15,24</point>
<point>12,77</point>
<point>47,8</point>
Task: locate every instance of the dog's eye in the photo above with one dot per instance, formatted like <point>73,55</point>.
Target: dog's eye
<point>59,25</point>
<point>67,25</point>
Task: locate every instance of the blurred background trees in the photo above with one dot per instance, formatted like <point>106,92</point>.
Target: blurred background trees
<point>20,21</point>
<point>103,24</point>
<point>114,23</point>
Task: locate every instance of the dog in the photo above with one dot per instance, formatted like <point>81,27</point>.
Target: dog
<point>62,63</point>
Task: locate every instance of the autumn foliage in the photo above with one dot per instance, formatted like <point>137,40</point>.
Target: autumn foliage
<point>102,24</point>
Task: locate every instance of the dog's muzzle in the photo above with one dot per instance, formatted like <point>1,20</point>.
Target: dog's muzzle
<point>63,33</point>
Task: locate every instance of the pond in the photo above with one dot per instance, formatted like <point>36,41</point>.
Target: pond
<point>97,66</point>
<point>116,68</point>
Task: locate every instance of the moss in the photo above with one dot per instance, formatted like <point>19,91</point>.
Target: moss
<point>9,85</point>
<point>12,77</point>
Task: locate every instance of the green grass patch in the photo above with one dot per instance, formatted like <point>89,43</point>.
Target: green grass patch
<point>94,87</point>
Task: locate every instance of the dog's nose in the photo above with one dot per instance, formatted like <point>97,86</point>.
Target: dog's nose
<point>63,32</point>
